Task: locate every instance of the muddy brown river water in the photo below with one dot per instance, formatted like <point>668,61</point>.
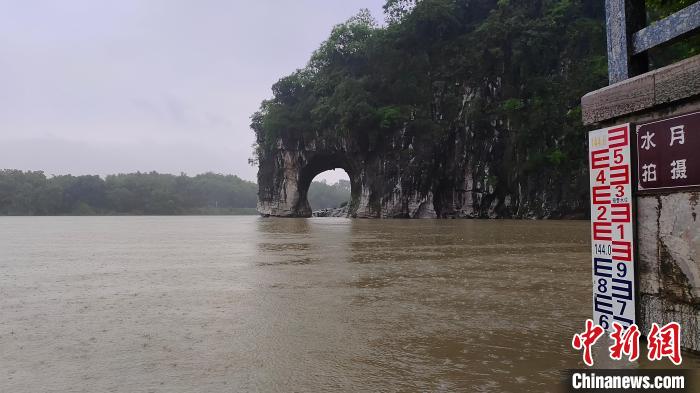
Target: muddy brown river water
<point>229,304</point>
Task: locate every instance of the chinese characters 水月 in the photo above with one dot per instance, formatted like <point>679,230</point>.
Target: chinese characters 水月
<point>678,168</point>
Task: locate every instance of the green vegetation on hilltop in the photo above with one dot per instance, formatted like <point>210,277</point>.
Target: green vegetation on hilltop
<point>465,100</point>
<point>523,65</point>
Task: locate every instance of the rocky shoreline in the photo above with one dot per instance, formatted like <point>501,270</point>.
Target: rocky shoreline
<point>332,212</point>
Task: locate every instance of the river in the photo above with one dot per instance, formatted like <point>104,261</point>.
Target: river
<point>242,303</point>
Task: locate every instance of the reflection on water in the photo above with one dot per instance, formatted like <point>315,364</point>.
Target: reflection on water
<point>213,304</point>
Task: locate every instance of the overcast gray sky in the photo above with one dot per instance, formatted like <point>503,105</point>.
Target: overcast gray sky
<point>108,86</point>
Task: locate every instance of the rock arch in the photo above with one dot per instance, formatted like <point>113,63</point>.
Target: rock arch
<point>400,175</point>
<point>378,188</point>
<point>284,180</point>
<point>319,163</point>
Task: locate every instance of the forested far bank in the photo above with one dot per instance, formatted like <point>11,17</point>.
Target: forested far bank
<point>152,193</point>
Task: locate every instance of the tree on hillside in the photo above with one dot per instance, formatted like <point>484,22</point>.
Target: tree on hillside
<point>323,195</point>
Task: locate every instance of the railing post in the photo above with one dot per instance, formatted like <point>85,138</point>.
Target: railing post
<point>624,18</point>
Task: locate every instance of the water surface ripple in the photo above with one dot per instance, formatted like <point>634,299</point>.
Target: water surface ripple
<point>213,304</point>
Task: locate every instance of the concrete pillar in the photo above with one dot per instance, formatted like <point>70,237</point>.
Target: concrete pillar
<point>668,230</point>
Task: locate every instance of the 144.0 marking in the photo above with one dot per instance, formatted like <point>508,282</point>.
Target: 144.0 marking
<point>602,249</point>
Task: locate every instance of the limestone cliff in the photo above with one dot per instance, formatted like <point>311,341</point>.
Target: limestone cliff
<point>469,174</point>
<point>457,109</point>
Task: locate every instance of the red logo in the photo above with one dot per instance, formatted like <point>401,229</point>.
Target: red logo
<point>663,342</point>
<point>627,343</point>
<point>586,340</point>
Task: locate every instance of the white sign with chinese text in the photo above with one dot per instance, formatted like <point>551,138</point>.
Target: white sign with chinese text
<point>612,226</point>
